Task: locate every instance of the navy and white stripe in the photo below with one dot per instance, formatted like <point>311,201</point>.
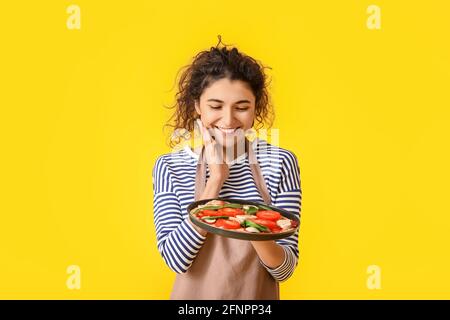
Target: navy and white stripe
<point>174,184</point>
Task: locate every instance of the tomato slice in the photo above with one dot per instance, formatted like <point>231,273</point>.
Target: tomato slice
<point>268,215</point>
<point>219,223</point>
<point>266,223</point>
<point>207,213</point>
<point>232,212</point>
<point>227,224</point>
<point>231,224</point>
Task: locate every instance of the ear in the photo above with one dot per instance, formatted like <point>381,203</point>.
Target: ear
<point>197,107</point>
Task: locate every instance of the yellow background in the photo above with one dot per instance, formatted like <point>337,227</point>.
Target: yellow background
<point>365,111</point>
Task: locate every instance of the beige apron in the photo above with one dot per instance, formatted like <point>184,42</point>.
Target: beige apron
<point>226,268</point>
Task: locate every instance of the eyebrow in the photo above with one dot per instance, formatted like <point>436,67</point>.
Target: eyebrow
<point>237,102</point>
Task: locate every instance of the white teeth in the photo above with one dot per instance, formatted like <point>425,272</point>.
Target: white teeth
<point>227,130</point>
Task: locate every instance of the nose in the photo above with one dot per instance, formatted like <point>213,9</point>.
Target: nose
<point>228,117</point>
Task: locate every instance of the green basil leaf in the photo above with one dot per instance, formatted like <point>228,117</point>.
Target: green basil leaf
<point>215,217</point>
<point>249,223</point>
<point>232,205</point>
<point>252,210</point>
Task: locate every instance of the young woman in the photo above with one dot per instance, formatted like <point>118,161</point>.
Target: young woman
<point>221,94</point>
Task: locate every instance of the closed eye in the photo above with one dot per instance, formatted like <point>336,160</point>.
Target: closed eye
<point>219,107</point>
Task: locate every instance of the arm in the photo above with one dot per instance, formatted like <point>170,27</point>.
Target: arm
<point>271,253</point>
<point>219,171</point>
<point>178,242</point>
<point>280,257</point>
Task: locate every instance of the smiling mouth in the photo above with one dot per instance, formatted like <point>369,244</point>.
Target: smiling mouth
<point>227,130</point>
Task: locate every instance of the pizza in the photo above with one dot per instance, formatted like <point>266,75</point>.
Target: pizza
<point>243,218</point>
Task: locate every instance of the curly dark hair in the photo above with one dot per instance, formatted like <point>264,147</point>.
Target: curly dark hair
<point>209,66</point>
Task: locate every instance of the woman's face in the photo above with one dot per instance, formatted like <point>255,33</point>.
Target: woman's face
<point>228,109</point>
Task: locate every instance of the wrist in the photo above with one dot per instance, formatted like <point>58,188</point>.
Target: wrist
<point>199,230</point>
<point>216,180</point>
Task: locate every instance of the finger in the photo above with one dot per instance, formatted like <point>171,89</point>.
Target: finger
<point>205,133</point>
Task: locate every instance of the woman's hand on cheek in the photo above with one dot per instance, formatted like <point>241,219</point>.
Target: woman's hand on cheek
<point>219,170</point>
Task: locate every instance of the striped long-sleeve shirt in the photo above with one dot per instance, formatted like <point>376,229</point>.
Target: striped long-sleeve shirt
<point>174,186</point>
